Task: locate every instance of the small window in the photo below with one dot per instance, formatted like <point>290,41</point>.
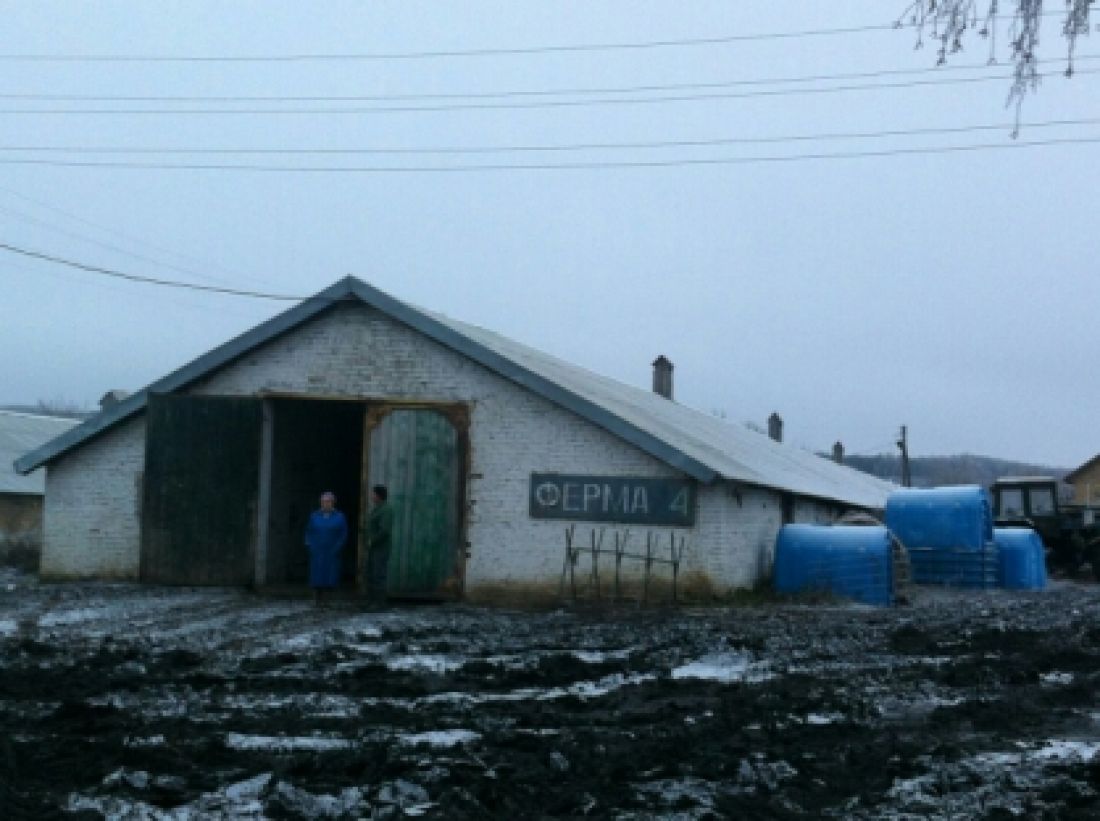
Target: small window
<point>1012,502</point>
<point>1042,501</point>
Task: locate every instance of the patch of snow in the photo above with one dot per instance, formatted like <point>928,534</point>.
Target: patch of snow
<point>311,805</point>
<point>428,662</point>
<point>137,779</point>
<point>317,705</point>
<point>240,800</point>
<point>1065,750</point>
<point>723,667</point>
<point>62,618</point>
<point>682,793</point>
<point>301,641</point>
<point>580,689</point>
<point>404,794</point>
<point>441,738</point>
<point>594,689</point>
<point>286,744</point>
<point>1056,677</point>
<point>984,775</point>
<point>361,627</point>
<point>249,788</point>
<point>371,648</point>
<point>824,718</point>
<point>8,627</point>
<point>600,656</point>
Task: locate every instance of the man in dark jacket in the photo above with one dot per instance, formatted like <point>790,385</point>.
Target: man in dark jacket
<point>379,537</point>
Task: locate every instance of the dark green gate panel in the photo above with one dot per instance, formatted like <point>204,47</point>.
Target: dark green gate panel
<point>202,467</point>
<point>415,453</point>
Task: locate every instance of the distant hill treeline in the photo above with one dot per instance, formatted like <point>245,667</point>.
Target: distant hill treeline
<point>62,409</point>
<point>965,469</point>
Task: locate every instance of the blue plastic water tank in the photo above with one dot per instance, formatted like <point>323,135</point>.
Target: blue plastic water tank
<point>851,562</point>
<point>941,518</point>
<point>1022,558</point>
<point>956,566</point>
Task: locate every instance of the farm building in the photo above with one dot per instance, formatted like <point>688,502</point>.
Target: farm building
<point>21,496</point>
<point>1086,482</point>
<point>490,449</point>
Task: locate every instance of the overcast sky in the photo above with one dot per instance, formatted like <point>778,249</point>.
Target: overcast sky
<point>955,292</point>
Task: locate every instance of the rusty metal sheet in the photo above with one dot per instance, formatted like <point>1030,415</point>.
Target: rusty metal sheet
<point>202,457</point>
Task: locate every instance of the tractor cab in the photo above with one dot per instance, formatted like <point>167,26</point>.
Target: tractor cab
<point>1071,533</point>
<point>1019,498</point>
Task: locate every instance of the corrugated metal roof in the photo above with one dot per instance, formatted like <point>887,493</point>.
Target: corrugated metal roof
<point>20,433</point>
<point>731,450</point>
<point>696,443</point>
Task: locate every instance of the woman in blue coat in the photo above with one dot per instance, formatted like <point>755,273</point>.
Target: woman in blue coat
<point>326,534</point>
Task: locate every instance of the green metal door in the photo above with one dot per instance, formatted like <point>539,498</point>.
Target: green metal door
<point>202,467</point>
<point>415,454</point>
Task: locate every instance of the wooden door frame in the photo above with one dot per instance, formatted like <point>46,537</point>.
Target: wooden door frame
<point>458,414</point>
<point>270,400</point>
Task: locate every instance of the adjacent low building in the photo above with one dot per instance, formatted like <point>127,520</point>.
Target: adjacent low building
<point>1086,482</point>
<point>21,496</point>
<point>491,450</point>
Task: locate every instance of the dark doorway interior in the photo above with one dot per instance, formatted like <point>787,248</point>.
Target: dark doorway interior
<point>317,445</point>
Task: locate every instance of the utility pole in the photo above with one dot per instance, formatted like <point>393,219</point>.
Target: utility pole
<point>903,444</point>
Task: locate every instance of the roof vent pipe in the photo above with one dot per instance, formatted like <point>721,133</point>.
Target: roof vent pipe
<point>662,376</point>
<point>112,398</point>
<point>775,427</point>
<point>838,452</point>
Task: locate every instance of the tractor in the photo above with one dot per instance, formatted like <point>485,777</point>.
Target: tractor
<point>1070,532</point>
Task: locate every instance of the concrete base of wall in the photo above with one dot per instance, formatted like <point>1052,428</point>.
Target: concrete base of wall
<point>691,588</point>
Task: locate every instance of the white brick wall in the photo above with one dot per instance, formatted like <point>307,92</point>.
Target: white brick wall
<point>91,523</point>
<point>355,351</point>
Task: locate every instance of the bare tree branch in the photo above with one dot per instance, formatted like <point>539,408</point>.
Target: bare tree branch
<point>951,22</point>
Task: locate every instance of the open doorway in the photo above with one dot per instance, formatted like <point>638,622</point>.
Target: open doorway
<point>316,446</point>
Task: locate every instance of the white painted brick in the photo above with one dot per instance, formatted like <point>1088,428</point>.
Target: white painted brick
<point>91,516</point>
<point>354,351</point>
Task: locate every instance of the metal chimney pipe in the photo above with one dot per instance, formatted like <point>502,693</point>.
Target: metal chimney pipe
<point>662,376</point>
<point>775,427</point>
<point>838,452</point>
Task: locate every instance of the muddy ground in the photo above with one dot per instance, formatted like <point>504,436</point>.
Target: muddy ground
<point>124,701</point>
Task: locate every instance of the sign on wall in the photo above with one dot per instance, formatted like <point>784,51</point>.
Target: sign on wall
<point>641,500</point>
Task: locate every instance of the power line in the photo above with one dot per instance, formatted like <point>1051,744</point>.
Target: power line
<point>565,147</point>
<point>113,231</point>
<point>564,48</point>
<point>559,92</point>
<point>488,106</point>
<point>106,245</point>
<point>110,272</point>
<point>572,166</point>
